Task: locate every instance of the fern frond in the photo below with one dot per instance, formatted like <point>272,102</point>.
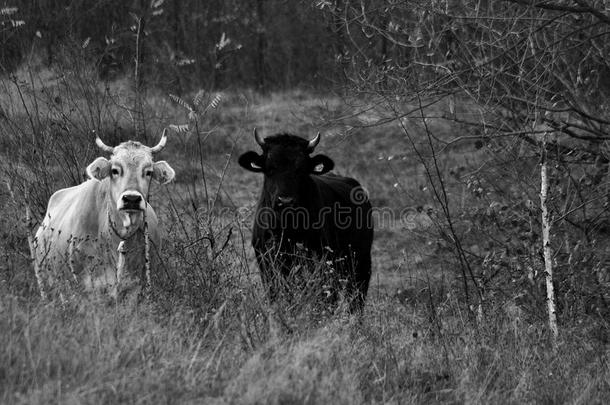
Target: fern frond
<point>198,97</point>
<point>8,10</point>
<point>179,128</point>
<point>181,102</point>
<point>215,101</point>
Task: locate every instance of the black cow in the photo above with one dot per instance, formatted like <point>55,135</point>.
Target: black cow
<point>301,208</point>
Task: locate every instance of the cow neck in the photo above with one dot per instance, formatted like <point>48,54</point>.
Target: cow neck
<point>307,193</point>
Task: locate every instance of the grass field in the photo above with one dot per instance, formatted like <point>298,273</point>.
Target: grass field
<point>208,335</point>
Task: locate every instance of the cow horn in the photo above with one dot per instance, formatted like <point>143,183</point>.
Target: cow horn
<point>161,143</point>
<point>103,146</point>
<point>258,138</point>
<point>313,143</point>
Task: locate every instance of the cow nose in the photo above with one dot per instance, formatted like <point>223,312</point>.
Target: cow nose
<point>132,199</point>
<point>283,201</point>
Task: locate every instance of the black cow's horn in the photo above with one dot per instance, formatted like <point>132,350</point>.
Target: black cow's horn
<point>258,138</point>
<point>103,146</point>
<point>313,143</point>
<point>161,143</point>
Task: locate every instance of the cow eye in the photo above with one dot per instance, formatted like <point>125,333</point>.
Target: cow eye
<point>148,173</point>
<point>115,171</point>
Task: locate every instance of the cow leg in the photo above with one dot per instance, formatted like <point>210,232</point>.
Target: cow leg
<point>361,278</point>
<point>41,267</point>
<point>267,273</point>
<point>72,251</point>
<point>263,266</point>
<point>274,269</point>
<point>63,276</point>
<point>37,267</point>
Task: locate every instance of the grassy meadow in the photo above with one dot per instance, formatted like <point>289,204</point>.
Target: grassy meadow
<point>207,334</point>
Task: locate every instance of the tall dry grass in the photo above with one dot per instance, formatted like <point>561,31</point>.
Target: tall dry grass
<point>96,352</point>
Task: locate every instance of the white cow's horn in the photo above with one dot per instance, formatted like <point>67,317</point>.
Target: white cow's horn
<point>161,143</point>
<point>258,138</point>
<point>313,143</point>
<point>103,146</point>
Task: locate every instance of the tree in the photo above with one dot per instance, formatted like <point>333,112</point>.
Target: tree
<point>521,79</point>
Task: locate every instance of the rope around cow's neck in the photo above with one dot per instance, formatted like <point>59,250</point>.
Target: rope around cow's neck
<point>146,253</point>
<point>123,251</point>
<point>112,226</point>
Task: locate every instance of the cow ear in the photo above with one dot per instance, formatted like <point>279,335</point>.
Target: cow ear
<point>321,164</point>
<point>251,161</point>
<point>99,169</point>
<point>163,172</point>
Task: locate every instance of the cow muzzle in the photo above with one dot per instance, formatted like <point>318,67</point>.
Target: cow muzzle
<point>283,202</point>
<point>131,201</point>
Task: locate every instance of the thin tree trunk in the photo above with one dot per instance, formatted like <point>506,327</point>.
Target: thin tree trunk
<point>179,47</point>
<point>138,113</point>
<point>261,45</point>
<point>546,243</point>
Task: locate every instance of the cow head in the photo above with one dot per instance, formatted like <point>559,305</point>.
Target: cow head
<point>287,165</point>
<point>129,172</point>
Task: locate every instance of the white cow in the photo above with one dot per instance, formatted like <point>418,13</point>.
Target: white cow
<point>93,234</point>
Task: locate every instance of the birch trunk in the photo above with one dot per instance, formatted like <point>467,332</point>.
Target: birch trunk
<point>546,243</point>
